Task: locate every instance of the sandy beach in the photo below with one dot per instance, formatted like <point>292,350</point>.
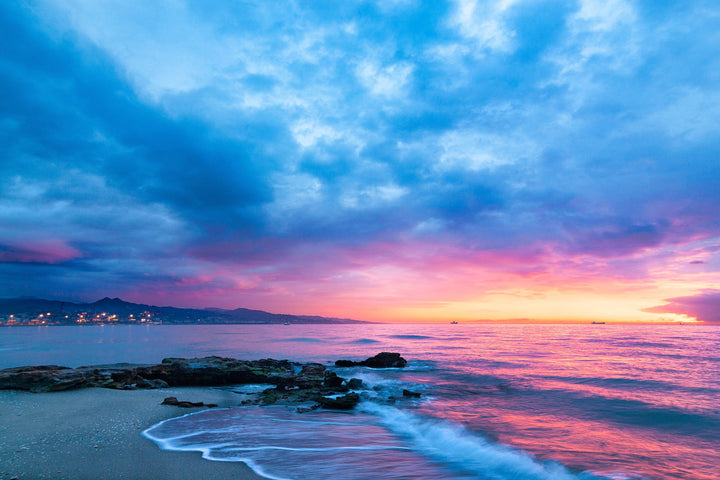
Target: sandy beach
<point>95,434</point>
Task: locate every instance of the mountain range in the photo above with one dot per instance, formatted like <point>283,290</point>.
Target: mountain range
<point>115,310</point>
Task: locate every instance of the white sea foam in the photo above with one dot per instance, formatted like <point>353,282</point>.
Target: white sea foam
<point>461,448</point>
<point>378,441</point>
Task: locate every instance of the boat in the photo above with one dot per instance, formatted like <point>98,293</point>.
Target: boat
<point>453,322</point>
<point>598,323</point>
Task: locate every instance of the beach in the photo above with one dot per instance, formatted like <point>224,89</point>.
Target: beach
<point>96,433</point>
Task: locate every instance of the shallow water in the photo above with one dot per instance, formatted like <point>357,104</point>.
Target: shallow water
<point>499,401</point>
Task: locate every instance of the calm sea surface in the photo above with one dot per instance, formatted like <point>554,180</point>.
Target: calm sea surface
<point>498,402</point>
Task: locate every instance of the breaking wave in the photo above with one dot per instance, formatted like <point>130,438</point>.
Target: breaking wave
<point>378,441</point>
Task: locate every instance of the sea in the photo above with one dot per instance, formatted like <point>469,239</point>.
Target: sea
<point>498,402</point>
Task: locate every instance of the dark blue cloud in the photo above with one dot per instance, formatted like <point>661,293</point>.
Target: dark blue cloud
<point>62,97</point>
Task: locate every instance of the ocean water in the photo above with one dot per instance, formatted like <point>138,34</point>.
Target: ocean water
<point>499,402</point>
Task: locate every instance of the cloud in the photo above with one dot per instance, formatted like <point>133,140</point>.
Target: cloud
<point>386,81</point>
<point>43,251</point>
<point>77,111</point>
<point>484,24</point>
<point>705,306</point>
<point>277,140</point>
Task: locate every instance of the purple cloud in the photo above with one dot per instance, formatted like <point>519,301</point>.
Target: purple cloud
<point>705,307</point>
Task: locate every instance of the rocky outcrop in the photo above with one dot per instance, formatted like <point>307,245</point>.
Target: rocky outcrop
<point>381,360</point>
<point>346,402</point>
<point>185,404</point>
<point>313,386</point>
<point>215,371</point>
<point>46,378</point>
<point>355,384</point>
<point>172,372</point>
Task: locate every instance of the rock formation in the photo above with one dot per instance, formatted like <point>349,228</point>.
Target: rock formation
<point>313,385</point>
<point>172,372</point>
<point>381,360</point>
<point>185,404</point>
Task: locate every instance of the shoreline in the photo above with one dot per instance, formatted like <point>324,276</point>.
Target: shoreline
<point>96,433</point>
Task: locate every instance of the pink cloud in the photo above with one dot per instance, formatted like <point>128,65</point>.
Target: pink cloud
<point>38,251</point>
<point>705,307</point>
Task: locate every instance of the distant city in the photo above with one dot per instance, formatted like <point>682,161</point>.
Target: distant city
<point>79,318</point>
<point>112,311</point>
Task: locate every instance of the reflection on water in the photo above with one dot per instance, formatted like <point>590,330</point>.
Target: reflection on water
<point>622,401</point>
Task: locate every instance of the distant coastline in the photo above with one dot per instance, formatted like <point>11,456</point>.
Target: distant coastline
<point>112,311</point>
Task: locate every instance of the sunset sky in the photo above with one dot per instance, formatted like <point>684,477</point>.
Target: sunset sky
<point>390,160</point>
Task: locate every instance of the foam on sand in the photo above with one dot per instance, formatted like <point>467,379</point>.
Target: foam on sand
<point>377,441</point>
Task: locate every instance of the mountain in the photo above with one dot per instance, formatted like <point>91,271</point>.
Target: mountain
<point>114,310</point>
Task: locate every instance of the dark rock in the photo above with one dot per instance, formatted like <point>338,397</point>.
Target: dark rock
<point>286,382</point>
<point>46,378</point>
<point>346,402</point>
<point>312,376</point>
<point>307,409</point>
<point>385,360</point>
<point>157,383</point>
<point>346,363</point>
<point>313,380</point>
<point>214,371</point>
<point>355,384</point>
<point>312,369</point>
<point>411,394</point>
<point>331,380</point>
<point>273,396</point>
<point>140,382</point>
<point>184,404</point>
<point>381,360</point>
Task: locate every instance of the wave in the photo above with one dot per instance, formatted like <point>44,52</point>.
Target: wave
<point>696,421</point>
<point>378,441</point>
<point>624,383</point>
<point>465,450</point>
<point>412,337</point>
<point>280,444</point>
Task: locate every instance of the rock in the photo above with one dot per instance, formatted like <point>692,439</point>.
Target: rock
<point>346,363</point>
<point>311,376</point>
<point>411,394</point>
<point>273,396</point>
<point>314,379</point>
<point>312,369</point>
<point>287,382</point>
<point>346,402</point>
<point>184,404</point>
<point>381,360</point>
<point>46,378</point>
<point>214,371</point>
<point>331,380</point>
<point>307,409</point>
<point>140,382</point>
<point>355,384</point>
<point>157,383</point>
<point>385,360</point>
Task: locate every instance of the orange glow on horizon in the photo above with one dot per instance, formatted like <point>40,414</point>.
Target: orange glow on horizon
<point>423,282</point>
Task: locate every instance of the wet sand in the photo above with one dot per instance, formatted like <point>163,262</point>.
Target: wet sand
<point>95,434</point>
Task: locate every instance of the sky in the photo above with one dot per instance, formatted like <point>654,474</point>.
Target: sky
<point>390,160</point>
